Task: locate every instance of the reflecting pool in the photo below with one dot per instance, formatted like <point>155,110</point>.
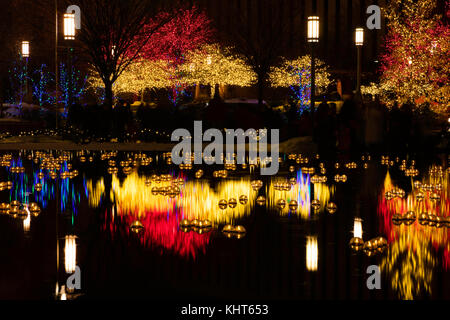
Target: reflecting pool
<point>133,224</point>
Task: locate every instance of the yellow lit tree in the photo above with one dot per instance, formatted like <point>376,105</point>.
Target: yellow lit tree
<point>415,67</point>
<point>140,75</point>
<point>211,65</point>
<point>296,75</point>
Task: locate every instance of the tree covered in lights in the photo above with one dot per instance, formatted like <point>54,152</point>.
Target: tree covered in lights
<point>140,75</point>
<point>415,67</point>
<point>211,64</point>
<point>41,80</point>
<point>72,85</point>
<point>18,76</point>
<point>114,33</point>
<point>187,31</point>
<point>296,75</point>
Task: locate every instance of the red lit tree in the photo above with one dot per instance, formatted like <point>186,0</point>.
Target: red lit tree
<point>188,31</point>
<point>113,36</point>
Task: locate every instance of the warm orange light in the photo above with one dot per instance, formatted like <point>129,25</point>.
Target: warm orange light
<point>312,253</point>
<point>359,36</point>
<point>313,29</point>
<point>69,26</point>
<point>25,49</point>
<point>70,254</point>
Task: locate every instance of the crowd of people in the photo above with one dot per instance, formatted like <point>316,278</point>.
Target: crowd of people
<point>368,125</point>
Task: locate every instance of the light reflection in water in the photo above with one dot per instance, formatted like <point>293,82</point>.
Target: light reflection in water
<point>161,215</point>
<point>357,228</point>
<point>23,187</point>
<point>196,201</point>
<point>312,253</point>
<point>412,251</point>
<point>70,254</point>
<point>300,192</point>
<point>27,221</point>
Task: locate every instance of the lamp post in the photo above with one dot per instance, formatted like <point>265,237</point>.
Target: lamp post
<point>25,53</point>
<point>313,39</point>
<point>359,42</point>
<point>69,26</point>
<point>69,35</point>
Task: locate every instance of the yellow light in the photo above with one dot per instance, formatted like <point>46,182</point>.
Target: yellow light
<point>313,29</point>
<point>227,69</point>
<point>312,253</point>
<point>359,36</point>
<point>197,201</point>
<point>70,254</point>
<point>422,83</point>
<point>69,26</point>
<point>287,74</point>
<point>301,193</point>
<point>357,228</point>
<point>25,49</point>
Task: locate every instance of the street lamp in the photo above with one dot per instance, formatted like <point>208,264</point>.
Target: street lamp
<point>313,38</point>
<point>25,53</point>
<point>25,49</point>
<point>69,26</point>
<point>69,34</point>
<point>359,42</point>
<point>313,29</point>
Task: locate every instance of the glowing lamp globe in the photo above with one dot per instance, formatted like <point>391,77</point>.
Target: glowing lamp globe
<point>69,26</point>
<point>25,49</point>
<point>313,29</point>
<point>359,36</point>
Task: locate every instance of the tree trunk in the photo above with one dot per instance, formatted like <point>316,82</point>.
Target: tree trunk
<point>197,91</point>
<point>261,87</point>
<point>108,94</point>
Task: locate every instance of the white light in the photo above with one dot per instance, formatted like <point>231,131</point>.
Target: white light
<point>69,26</point>
<point>312,253</point>
<point>70,254</point>
<point>27,221</point>
<point>433,46</point>
<point>357,228</point>
<point>25,49</point>
<point>313,29</point>
<point>359,36</point>
<point>209,60</point>
<point>63,293</point>
<point>410,61</point>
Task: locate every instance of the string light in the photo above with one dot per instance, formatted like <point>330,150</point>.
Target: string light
<point>72,85</point>
<point>212,64</point>
<point>296,74</point>
<point>415,66</point>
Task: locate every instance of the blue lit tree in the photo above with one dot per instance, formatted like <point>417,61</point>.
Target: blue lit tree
<point>41,91</point>
<point>72,85</point>
<point>18,78</point>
